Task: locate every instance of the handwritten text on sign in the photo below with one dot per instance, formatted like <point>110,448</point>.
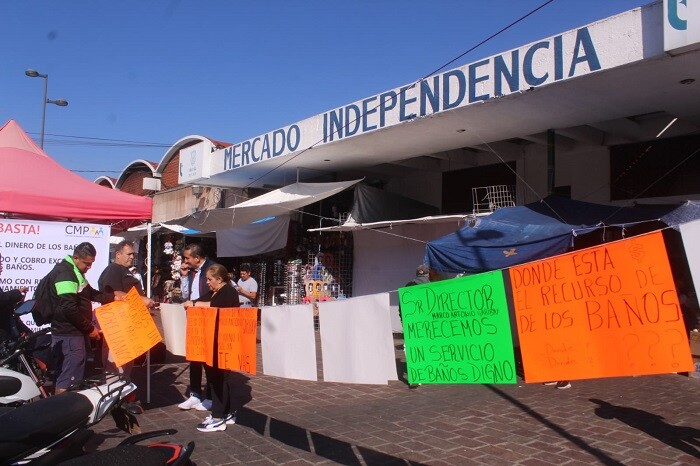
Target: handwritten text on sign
<point>458,331</point>
<point>128,327</point>
<point>199,340</point>
<point>238,329</point>
<point>606,311</point>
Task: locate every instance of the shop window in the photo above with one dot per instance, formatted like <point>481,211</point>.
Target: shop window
<point>667,167</point>
<point>457,185</point>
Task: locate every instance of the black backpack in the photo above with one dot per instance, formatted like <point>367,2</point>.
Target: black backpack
<point>44,298</point>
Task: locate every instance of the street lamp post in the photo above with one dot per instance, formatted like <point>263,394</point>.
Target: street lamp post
<point>60,102</point>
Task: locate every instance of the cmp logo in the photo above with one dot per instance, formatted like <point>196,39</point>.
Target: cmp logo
<point>85,231</point>
<point>674,19</point>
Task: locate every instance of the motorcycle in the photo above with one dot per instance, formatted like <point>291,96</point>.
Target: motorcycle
<point>39,430</point>
<point>127,452</point>
<point>16,388</point>
<point>53,430</point>
<point>18,356</point>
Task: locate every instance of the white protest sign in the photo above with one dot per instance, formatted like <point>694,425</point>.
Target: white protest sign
<point>29,249</point>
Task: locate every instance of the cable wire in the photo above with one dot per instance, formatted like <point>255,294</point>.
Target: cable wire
<point>404,89</point>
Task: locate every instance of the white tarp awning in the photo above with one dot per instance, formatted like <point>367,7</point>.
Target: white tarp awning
<point>141,231</point>
<point>279,202</point>
<point>458,219</point>
<point>180,229</point>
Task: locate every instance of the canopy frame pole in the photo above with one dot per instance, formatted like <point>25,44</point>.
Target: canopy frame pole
<point>149,239</point>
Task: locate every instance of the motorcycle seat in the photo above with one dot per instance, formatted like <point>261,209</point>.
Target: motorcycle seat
<point>33,426</point>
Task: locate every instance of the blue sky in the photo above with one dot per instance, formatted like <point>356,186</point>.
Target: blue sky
<point>157,71</point>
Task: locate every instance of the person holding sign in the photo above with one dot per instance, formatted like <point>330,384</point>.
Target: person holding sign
<point>118,279</point>
<point>193,285</point>
<point>219,381</point>
<point>423,276</point>
<point>72,319</point>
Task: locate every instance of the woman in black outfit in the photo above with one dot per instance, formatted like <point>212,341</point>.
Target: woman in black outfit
<point>220,382</point>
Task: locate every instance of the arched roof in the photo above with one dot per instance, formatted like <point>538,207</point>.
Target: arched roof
<point>106,181</point>
<point>136,165</point>
<point>186,142</point>
<point>156,169</point>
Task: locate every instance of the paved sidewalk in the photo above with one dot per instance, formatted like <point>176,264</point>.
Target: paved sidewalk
<point>651,420</point>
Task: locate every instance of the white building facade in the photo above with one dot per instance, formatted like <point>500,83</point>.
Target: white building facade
<point>560,115</point>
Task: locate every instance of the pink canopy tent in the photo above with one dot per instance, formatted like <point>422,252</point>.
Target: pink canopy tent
<point>36,186</point>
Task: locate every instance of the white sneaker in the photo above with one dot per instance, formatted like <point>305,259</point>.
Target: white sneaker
<point>212,425</point>
<point>229,419</point>
<point>205,405</point>
<point>189,403</point>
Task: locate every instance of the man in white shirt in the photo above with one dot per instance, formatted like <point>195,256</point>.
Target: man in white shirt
<point>247,287</point>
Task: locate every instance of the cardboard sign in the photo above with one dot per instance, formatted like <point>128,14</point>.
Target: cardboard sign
<point>458,331</point>
<point>201,325</point>
<point>606,311</point>
<point>173,318</point>
<point>128,327</point>
<point>237,342</point>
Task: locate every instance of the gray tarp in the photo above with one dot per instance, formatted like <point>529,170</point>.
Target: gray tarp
<point>281,201</point>
<point>375,205</point>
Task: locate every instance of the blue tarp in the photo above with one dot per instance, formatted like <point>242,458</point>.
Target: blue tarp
<point>686,212</point>
<point>515,235</point>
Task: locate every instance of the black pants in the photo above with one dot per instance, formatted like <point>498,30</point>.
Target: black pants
<point>220,385</point>
<point>196,381</point>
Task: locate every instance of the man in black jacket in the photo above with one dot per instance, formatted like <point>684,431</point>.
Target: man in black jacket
<point>72,319</point>
<point>193,285</point>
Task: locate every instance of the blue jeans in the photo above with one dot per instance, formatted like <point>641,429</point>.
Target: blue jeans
<point>69,356</point>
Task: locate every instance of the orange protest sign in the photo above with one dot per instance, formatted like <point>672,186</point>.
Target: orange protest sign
<point>606,311</point>
<point>238,339</point>
<point>128,327</point>
<point>199,339</point>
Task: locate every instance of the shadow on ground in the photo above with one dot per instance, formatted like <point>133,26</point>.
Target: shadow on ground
<point>164,385</point>
<point>327,447</point>
<point>683,438</point>
<point>602,456</point>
